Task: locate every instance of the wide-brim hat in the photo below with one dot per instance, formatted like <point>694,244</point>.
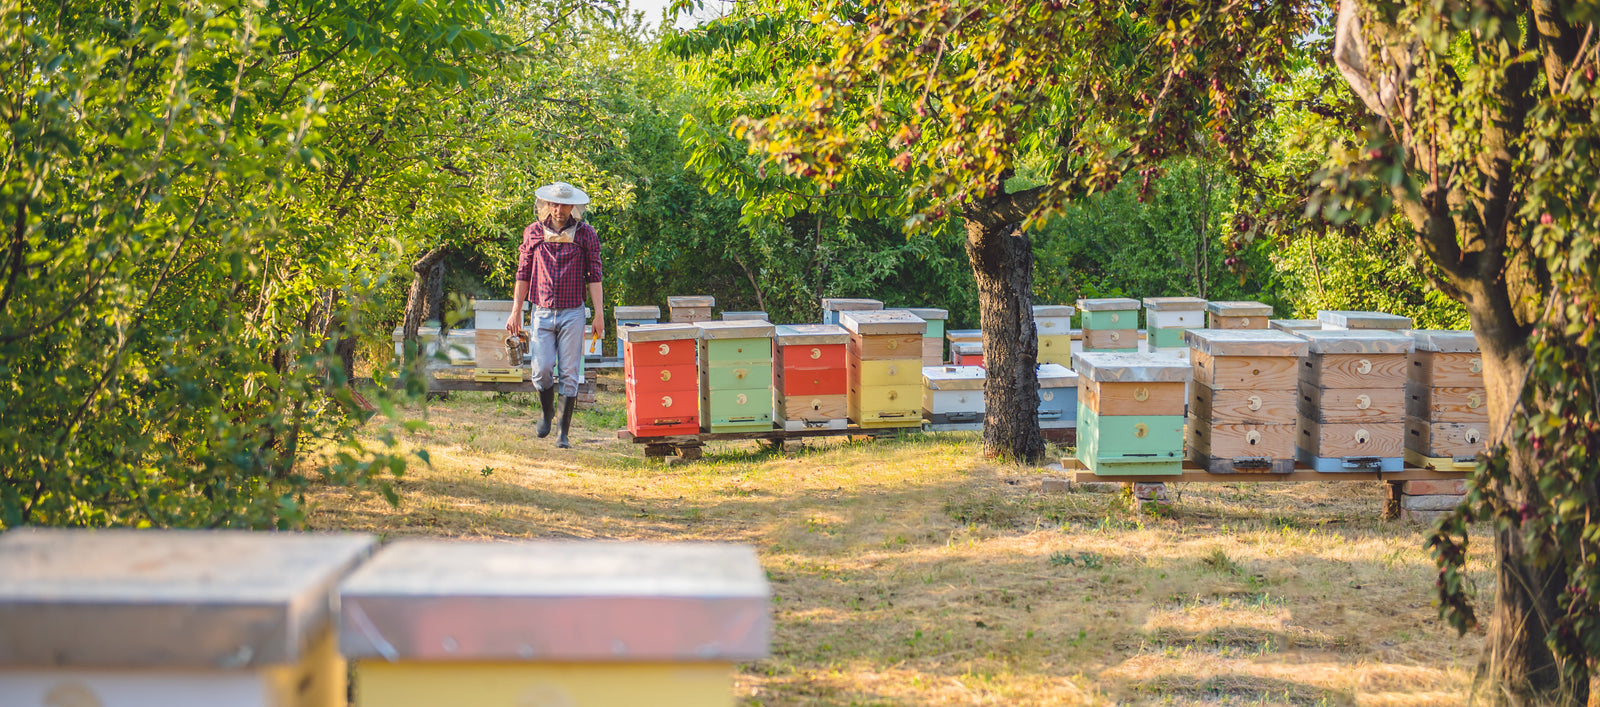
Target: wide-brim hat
<point>562,193</point>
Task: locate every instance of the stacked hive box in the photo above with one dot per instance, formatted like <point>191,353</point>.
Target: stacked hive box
<point>150,618</point>
<point>1110,324</point>
<point>736,376</point>
<point>630,317</point>
<point>1054,324</point>
<point>1058,396</point>
<point>809,376</point>
<point>1165,320</point>
<point>688,310</point>
<point>1238,315</point>
<point>661,383</point>
<point>967,353</point>
<point>1447,413</point>
<point>1346,320</point>
<point>1130,413</point>
<point>832,306</point>
<point>1352,400</point>
<point>933,338</point>
<point>965,336</point>
<point>1242,404</point>
<point>491,356</point>
<point>885,363</point>
<point>437,622</point>
<point>744,316</point>
<point>1294,325</point>
<point>952,397</point>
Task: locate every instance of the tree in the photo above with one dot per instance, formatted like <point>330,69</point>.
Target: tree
<point>1487,140</point>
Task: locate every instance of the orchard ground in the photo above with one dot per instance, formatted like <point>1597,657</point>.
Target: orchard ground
<point>910,571</point>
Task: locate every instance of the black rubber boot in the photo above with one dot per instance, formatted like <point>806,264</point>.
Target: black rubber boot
<point>547,403</point>
<point>568,404</point>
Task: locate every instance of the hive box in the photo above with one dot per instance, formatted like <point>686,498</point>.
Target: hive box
<point>1166,318</point>
<point>832,306</point>
<point>690,309</point>
<point>967,353</point>
<point>1341,319</point>
<point>491,313</point>
<point>744,316</point>
<point>1058,396</point>
<point>1054,324</point>
<point>149,618</point>
<point>1447,416</point>
<point>952,397</point>
<point>438,622</point>
<point>1242,415</point>
<point>628,316</point>
<point>735,376</point>
<point>1130,413</point>
<point>1348,420</point>
<point>884,357</point>
<point>810,376</point>
<point>1110,324</point>
<point>1238,315</point>
<point>661,381</point>
<point>933,337</point>
<point>490,351</point>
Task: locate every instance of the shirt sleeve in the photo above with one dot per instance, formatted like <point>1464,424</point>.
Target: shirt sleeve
<point>592,271</point>
<point>530,240</point>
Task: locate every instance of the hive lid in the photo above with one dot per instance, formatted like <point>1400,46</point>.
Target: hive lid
<point>953,377</point>
<point>691,301</point>
<point>1108,304</point>
<point>810,334</point>
<point>1346,319</point>
<point>1294,325</point>
<point>1444,341</point>
<point>438,600</point>
<point>1052,310</point>
<point>1239,309</point>
<point>636,312</point>
<point>955,335</point>
<point>1174,304</point>
<point>927,313</point>
<point>1245,342</point>
<point>491,305</point>
<point>1055,375</point>
<point>882,322</point>
<point>657,332</point>
<point>1104,367</point>
<point>967,348</point>
<point>744,316</point>
<point>1356,341</point>
<point>840,304</point>
<point>220,599</point>
<point>736,329</point>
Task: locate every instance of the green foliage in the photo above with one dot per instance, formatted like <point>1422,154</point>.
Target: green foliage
<point>1372,269</point>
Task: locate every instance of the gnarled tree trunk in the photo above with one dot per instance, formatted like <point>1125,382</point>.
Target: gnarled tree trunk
<point>423,298</point>
<point>1002,262</point>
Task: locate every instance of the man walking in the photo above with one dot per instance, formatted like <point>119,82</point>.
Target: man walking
<point>560,255</point>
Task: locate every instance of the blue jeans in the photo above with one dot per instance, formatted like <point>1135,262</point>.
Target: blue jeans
<point>557,338</point>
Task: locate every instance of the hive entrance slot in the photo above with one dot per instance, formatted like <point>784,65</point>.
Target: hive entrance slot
<point>1362,463</point>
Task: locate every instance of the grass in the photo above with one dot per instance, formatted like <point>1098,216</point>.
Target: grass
<point>910,571</point>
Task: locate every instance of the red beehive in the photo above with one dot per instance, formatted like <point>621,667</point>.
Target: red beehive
<point>809,376</point>
<point>661,380</point>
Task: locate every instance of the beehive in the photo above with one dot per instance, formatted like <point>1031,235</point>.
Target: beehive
<point>810,378</point>
<point>492,313</point>
<point>1165,320</point>
<point>962,336</point>
<point>1054,324</point>
<point>1109,324</point>
<point>1058,396</point>
<point>952,397</point>
<point>933,337</point>
<point>1352,400</point>
<point>1345,320</point>
<point>148,618</point>
<point>1294,325</point>
<point>735,376</point>
<point>1130,413</point>
<point>690,309</point>
<point>1242,405</point>
<point>631,316</point>
<point>490,350</point>
<point>744,316</point>
<point>438,622</point>
<point>967,353</point>
<point>1238,315</point>
<point>832,306</point>
<point>884,357</point>
<point>1447,413</point>
<point>661,381</point>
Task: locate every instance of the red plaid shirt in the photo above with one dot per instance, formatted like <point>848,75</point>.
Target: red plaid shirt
<point>560,272</point>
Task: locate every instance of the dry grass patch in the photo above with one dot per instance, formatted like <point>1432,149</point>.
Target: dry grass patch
<point>909,571</point>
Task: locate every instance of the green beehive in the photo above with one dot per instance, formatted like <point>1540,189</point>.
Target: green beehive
<point>1130,413</point>
<point>736,375</point>
<point>1110,324</point>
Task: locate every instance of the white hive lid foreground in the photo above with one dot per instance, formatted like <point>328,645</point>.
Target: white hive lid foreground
<point>193,599</point>
<point>657,332</point>
<point>1104,367</point>
<point>1108,304</point>
<point>1445,341</point>
<point>1239,309</point>
<point>1357,341</point>
<point>691,301</point>
<point>840,304</point>
<point>954,377</point>
<point>438,600</point>
<point>882,322</point>
<point>737,329</point>
<point>1174,304</point>
<point>1055,375</point>
<point>1052,310</point>
<point>1362,320</point>
<point>636,312</point>
<point>810,334</point>
<point>1245,342</point>
<point>927,313</point>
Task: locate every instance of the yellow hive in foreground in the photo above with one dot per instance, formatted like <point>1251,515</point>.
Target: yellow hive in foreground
<point>576,624</point>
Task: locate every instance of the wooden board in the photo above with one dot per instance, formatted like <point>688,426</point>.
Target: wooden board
<point>1239,441</point>
<point>810,407</point>
<point>898,371</point>
<point>1446,370</point>
<point>1448,404</point>
<point>1131,398</point>
<point>1219,321</point>
<point>1354,370</point>
<point>1193,473</point>
<point>878,347</point>
<point>1446,439</point>
<point>1418,459</point>
<point>1352,404</point>
<point>1244,372</point>
<point>1242,406</point>
<point>489,349</point>
<point>1338,440</point>
<point>1110,339</point>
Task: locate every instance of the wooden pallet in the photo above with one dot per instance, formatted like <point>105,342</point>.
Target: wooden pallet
<point>690,446</point>
<point>1193,472</point>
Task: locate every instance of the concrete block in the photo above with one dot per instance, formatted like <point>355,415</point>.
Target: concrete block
<point>1434,487</point>
<point>1430,503</point>
<point>1428,518</point>
<point>1055,486</point>
<point>1150,491</point>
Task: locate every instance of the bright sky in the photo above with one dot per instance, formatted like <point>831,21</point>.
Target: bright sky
<point>654,8</point>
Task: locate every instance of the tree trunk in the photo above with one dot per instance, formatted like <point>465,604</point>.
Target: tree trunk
<point>429,270</point>
<point>1002,263</point>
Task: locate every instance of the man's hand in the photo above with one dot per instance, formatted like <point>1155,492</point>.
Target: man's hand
<point>599,327</point>
<point>514,322</point>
